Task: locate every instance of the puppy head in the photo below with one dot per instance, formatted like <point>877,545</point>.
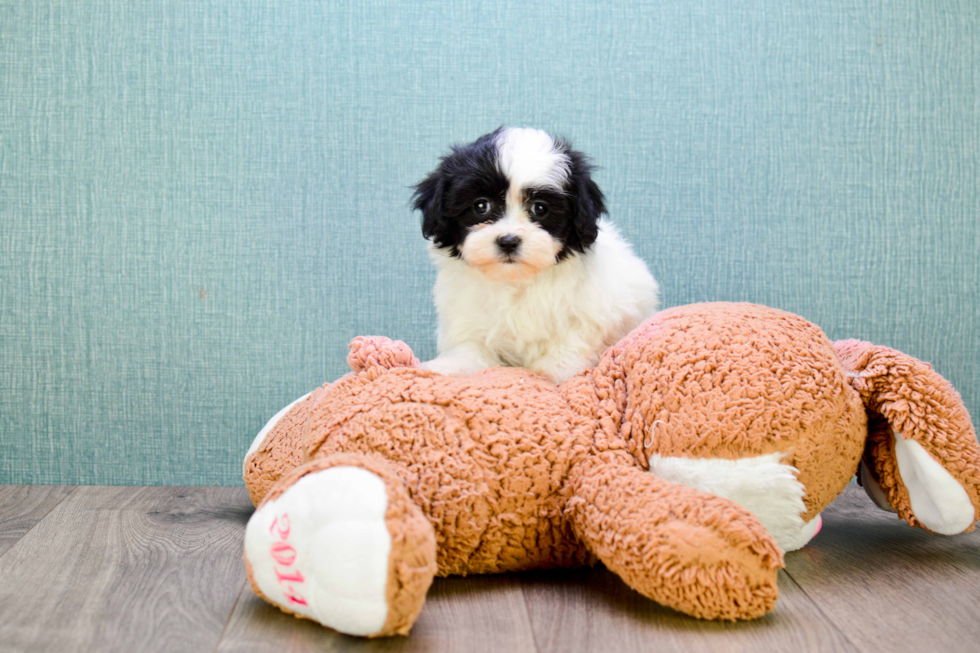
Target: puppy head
<point>511,204</point>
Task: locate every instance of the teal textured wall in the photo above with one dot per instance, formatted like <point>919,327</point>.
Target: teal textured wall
<point>203,201</point>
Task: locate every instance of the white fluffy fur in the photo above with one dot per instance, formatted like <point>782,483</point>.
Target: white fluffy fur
<point>762,485</point>
<point>555,323</point>
<point>528,158</point>
<point>537,253</point>
<point>528,309</point>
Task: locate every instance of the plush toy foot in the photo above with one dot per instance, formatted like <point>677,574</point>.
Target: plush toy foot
<point>342,544</point>
<point>698,553</point>
<point>921,456</point>
<point>801,539</point>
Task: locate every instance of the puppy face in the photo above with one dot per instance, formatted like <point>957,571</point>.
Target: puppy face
<point>511,204</point>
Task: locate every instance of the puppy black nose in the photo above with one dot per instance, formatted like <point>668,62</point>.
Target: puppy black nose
<point>508,244</point>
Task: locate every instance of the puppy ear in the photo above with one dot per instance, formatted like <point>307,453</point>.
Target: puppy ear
<point>428,199</point>
<point>588,203</point>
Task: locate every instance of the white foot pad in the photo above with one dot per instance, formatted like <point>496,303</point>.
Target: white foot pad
<point>938,500</point>
<point>807,533</point>
<point>321,549</point>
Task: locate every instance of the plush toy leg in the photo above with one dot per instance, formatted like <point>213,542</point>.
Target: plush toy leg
<point>339,541</point>
<point>276,449</point>
<point>922,458</point>
<point>693,551</point>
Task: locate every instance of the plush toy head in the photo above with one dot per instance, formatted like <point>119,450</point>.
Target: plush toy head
<point>698,450</point>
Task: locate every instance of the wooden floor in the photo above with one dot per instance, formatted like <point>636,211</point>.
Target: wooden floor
<point>148,569</point>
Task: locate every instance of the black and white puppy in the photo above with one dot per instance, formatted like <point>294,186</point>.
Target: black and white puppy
<point>529,273</point>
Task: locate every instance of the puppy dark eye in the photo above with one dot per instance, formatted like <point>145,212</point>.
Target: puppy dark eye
<point>481,206</point>
<point>539,209</point>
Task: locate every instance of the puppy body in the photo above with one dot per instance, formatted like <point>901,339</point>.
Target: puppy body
<point>530,275</point>
<point>555,324</point>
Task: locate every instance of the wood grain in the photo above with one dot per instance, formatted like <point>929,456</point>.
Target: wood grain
<point>160,568</point>
<point>161,574</point>
<point>593,610</point>
<point>474,614</point>
<point>890,586</point>
<point>23,506</point>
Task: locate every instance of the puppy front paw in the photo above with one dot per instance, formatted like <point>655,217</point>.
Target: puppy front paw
<point>453,365</point>
<point>560,371</point>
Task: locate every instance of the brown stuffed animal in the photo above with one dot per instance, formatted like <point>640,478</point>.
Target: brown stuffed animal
<point>699,449</point>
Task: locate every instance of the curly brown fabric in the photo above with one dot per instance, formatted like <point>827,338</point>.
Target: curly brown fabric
<point>412,559</point>
<point>489,475</point>
<point>733,381</point>
<point>689,550</point>
<point>281,451</point>
<point>512,472</point>
<point>367,352</point>
<point>907,398</point>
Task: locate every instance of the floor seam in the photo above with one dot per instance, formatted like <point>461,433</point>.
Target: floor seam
<point>527,613</point>
<point>823,614</point>
<point>43,517</point>
<point>231,614</point>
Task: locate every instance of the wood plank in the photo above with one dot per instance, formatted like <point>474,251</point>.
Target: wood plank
<point>174,499</point>
<point>472,614</point>
<point>593,610</point>
<point>891,587</point>
<point>23,506</point>
<point>161,575</point>
<point>160,569</point>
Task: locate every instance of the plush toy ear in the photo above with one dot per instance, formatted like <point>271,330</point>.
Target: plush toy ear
<point>378,354</point>
<point>922,457</point>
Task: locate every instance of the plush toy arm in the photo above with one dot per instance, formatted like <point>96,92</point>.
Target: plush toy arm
<point>689,550</point>
<point>922,455</point>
